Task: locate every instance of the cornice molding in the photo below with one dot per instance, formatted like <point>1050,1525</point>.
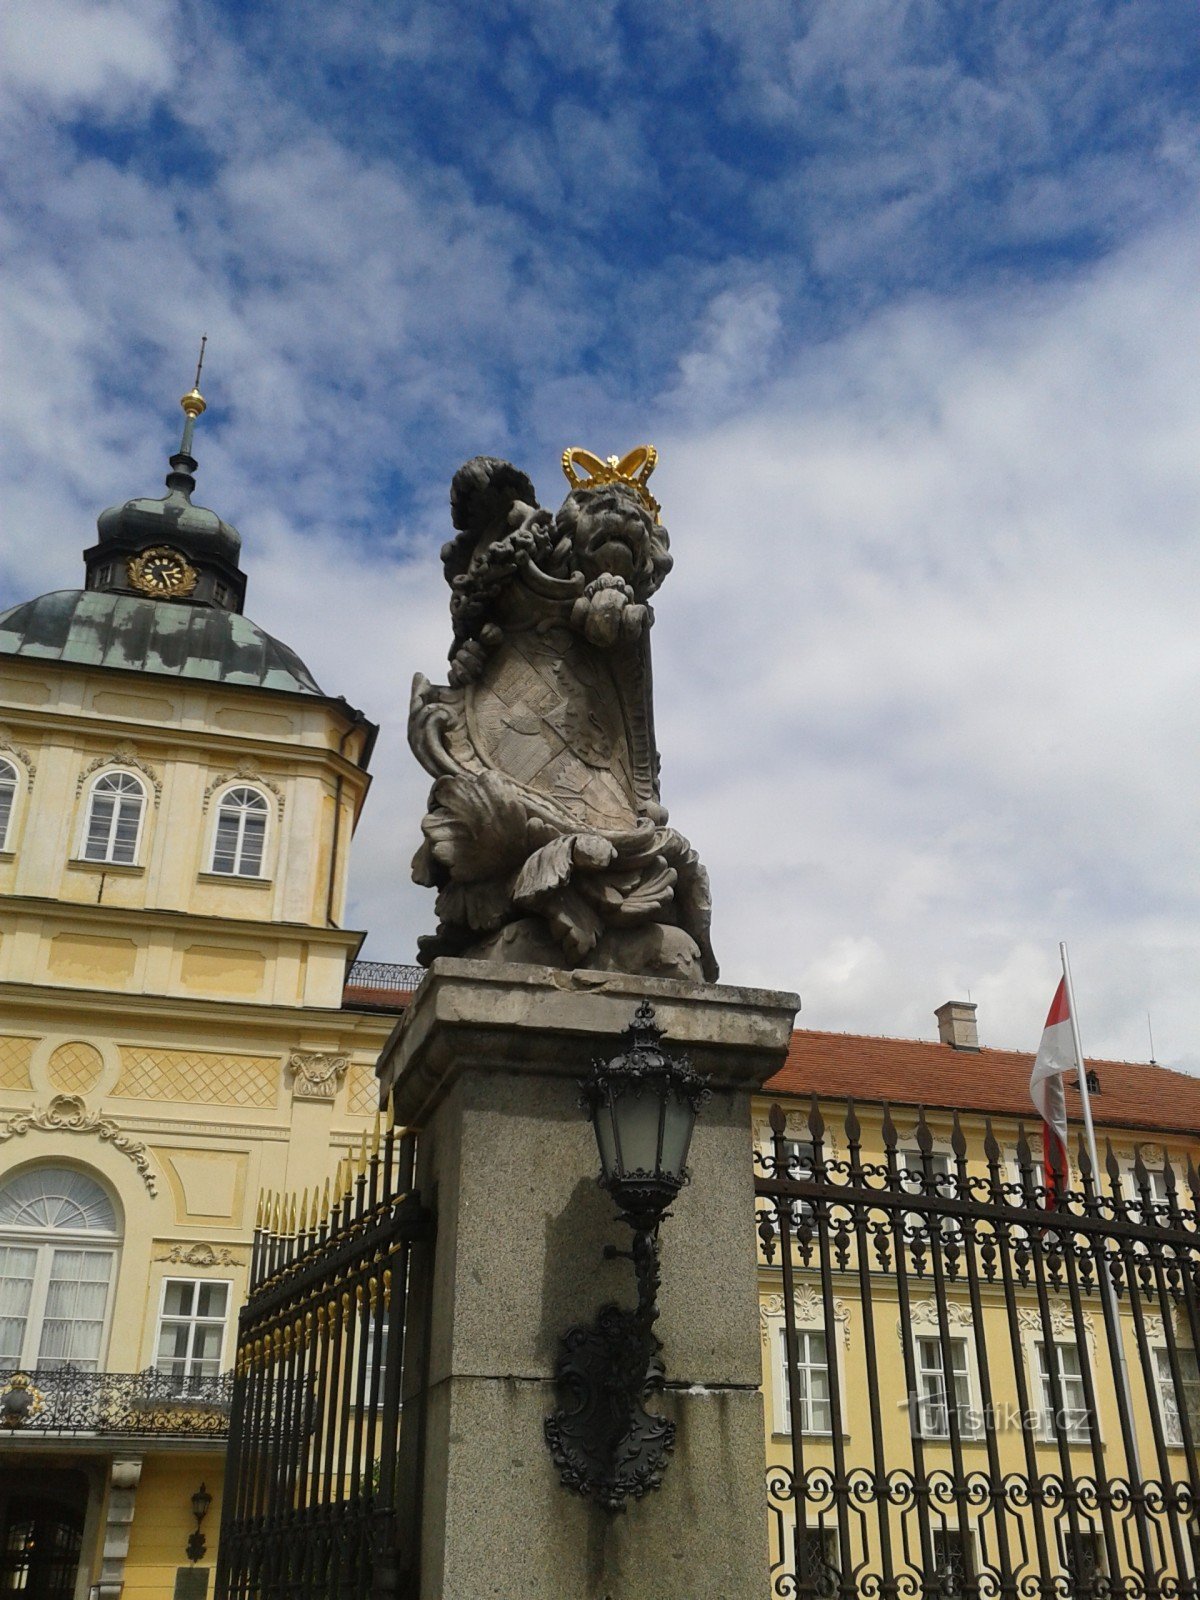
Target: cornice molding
<point>65,911</point>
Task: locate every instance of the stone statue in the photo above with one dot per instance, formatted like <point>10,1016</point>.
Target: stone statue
<point>544,836</point>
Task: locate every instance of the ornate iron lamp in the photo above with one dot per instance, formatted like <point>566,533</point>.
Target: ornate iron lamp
<point>197,1544</point>
<point>643,1105</point>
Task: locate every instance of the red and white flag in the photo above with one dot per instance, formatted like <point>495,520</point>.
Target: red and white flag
<point>1056,1055</point>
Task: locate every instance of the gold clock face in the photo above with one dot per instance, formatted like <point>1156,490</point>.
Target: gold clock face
<point>162,571</point>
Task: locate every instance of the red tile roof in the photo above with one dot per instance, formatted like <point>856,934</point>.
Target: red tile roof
<point>368,997</point>
<point>1133,1094</point>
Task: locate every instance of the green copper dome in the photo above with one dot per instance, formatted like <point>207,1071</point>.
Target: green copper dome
<point>96,628</point>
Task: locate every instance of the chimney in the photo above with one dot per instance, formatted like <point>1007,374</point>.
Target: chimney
<point>956,1024</point>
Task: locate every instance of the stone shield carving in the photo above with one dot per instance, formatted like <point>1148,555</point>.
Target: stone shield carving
<point>545,837</point>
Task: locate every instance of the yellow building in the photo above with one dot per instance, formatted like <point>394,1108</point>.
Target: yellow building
<point>177,800</point>
<point>934,1348</point>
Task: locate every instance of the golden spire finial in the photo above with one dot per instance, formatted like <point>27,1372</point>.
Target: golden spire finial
<point>193,402</point>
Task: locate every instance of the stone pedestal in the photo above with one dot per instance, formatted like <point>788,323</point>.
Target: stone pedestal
<point>486,1064</point>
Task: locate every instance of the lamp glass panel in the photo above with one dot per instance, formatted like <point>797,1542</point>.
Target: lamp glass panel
<point>678,1121</point>
<point>637,1117</point>
<point>606,1139</point>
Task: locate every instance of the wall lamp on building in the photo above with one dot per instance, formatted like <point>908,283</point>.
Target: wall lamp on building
<point>642,1104</point>
<point>197,1544</point>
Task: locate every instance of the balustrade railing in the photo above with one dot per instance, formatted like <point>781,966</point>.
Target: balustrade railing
<point>69,1400</point>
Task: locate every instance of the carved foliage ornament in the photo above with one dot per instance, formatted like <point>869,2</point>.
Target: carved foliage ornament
<point>199,1255</point>
<point>1062,1324</point>
<point>924,1314</point>
<point>123,755</point>
<point>545,837</point>
<point>67,1113</point>
<point>810,1312</point>
<point>7,742</point>
<point>316,1074</point>
<point>244,771</point>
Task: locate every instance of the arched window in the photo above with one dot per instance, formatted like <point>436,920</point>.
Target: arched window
<point>114,819</point>
<point>8,798</point>
<point>241,833</point>
<point>58,1244</point>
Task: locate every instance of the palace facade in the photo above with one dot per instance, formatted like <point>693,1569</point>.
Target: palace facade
<point>177,800</point>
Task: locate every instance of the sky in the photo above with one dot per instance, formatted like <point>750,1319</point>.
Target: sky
<point>906,296</point>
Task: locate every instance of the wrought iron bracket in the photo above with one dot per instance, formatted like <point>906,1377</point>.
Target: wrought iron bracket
<point>603,1441</point>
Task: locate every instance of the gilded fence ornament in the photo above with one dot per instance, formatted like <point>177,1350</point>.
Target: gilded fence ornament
<point>545,837</point>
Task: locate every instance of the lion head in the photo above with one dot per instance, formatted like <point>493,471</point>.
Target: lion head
<point>612,533</point>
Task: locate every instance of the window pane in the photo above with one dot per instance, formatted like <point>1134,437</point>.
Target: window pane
<point>56,1197</point>
<point>177,1298</point>
<point>213,1299</point>
<point>99,825</point>
<point>75,1303</point>
<point>173,1341</point>
<point>190,1340</point>
<point>16,1287</point>
<point>225,850</point>
<point>8,790</point>
<point>253,836</point>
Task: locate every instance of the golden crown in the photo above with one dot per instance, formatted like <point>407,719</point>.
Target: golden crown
<point>633,469</point>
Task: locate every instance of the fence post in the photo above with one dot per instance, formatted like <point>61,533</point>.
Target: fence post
<point>487,1065</point>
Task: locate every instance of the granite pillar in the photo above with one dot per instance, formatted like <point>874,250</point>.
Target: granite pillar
<point>486,1064</point>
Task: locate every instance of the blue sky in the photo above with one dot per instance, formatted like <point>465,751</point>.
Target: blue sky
<point>904,293</point>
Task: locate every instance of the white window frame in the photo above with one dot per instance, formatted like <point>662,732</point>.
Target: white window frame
<point>783,1424</point>
<point>1167,1407</point>
<point>262,874</point>
<point>910,1167</point>
<point>45,1242</point>
<point>187,1378</point>
<point>8,823</point>
<point>969,1427</point>
<point>1095,1537</point>
<point>827,1584</point>
<point>84,832</point>
<point>972,1546</point>
<point>1081,1433</point>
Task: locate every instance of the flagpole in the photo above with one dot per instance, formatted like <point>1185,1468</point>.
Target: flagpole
<point>1134,1454</point>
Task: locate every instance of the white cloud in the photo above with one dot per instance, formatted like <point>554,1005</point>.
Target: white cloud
<point>926,679</point>
<point>926,665</point>
<point>70,54</point>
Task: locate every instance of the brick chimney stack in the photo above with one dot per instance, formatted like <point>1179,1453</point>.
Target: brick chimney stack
<point>956,1024</point>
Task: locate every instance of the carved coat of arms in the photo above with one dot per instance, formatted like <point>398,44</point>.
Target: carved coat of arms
<point>545,837</point>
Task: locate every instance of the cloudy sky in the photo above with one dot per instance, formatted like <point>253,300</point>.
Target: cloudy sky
<point>906,294</point>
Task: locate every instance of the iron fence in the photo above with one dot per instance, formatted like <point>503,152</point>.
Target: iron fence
<point>312,1492</point>
<point>981,1392</point>
<point>390,975</point>
<point>70,1400</point>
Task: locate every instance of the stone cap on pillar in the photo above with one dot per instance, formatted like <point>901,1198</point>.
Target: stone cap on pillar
<point>551,1022</point>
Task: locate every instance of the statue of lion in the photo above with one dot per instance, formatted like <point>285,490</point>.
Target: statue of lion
<point>545,838</point>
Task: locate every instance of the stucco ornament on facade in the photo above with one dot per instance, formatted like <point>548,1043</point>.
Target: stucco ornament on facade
<point>67,1113</point>
<point>122,755</point>
<point>199,1255</point>
<point>316,1074</point>
<point>244,771</point>
<point>924,1314</point>
<point>1061,1323</point>
<point>7,742</point>
<point>545,837</point>
<point>810,1313</point>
